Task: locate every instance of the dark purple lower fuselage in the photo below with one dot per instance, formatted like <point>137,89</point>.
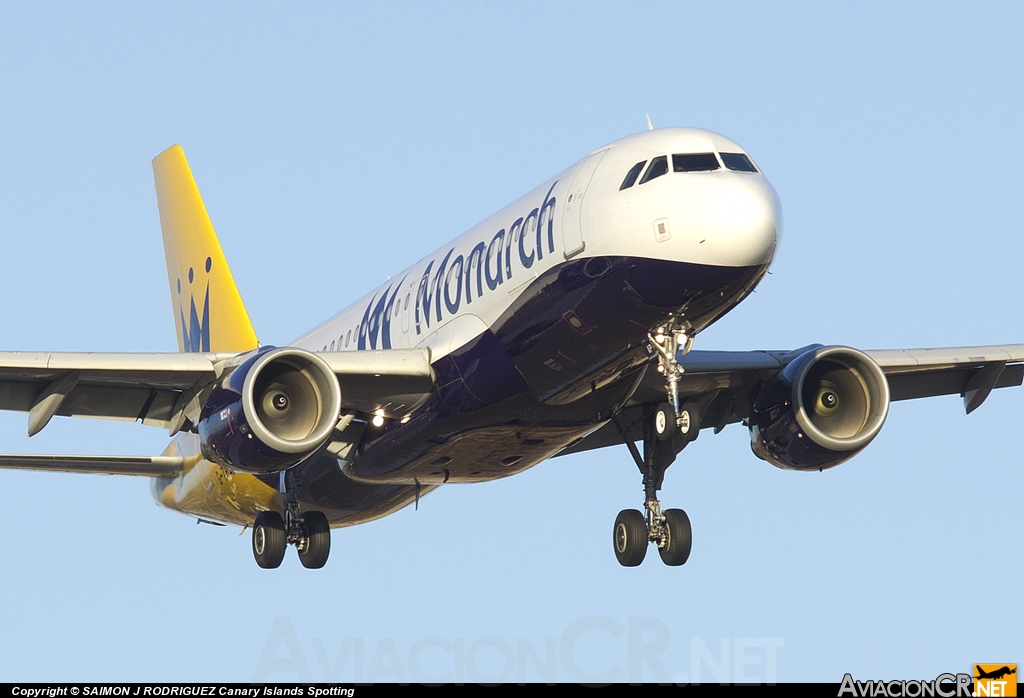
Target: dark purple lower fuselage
<point>547,373</point>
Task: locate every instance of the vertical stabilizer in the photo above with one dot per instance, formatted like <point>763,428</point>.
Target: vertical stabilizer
<point>208,311</point>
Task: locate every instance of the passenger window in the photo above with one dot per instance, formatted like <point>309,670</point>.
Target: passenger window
<point>332,345</point>
<point>738,162</point>
<point>659,166</point>
<point>694,162</point>
<point>348,337</point>
<point>631,176</point>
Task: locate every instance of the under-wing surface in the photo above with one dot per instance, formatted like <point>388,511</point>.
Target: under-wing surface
<point>564,322</point>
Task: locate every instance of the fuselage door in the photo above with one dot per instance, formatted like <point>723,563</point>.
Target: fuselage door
<point>572,213</point>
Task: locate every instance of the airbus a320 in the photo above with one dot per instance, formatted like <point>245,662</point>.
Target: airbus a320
<point>564,322</point>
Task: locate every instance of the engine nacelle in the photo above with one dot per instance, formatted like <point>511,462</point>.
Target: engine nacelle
<point>270,413</point>
<point>822,410</point>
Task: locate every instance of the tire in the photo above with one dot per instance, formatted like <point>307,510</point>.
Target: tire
<point>665,422</point>
<point>680,538</point>
<point>268,540</point>
<point>689,421</point>
<point>318,540</point>
<point>629,537</point>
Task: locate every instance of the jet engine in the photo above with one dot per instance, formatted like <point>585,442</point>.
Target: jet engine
<point>273,411</point>
<point>821,410</point>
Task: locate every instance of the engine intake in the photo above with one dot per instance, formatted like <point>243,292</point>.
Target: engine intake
<point>822,409</point>
<point>270,413</point>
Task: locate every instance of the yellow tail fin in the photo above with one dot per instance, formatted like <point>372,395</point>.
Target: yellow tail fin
<point>208,310</point>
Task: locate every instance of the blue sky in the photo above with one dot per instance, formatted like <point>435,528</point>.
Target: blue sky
<point>335,145</point>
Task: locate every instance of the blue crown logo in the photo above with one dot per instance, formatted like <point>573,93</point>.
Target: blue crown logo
<point>195,331</point>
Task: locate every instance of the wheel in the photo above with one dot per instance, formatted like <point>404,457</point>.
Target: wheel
<point>268,539</point>
<point>315,552</point>
<point>630,537</point>
<point>679,538</point>
<point>665,422</point>
<point>689,421</point>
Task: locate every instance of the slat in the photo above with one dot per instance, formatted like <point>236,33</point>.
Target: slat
<point>903,360</point>
<point>168,370</point>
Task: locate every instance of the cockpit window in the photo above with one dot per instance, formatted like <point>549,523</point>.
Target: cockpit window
<point>738,162</point>
<point>694,162</point>
<point>658,167</point>
<point>631,176</point>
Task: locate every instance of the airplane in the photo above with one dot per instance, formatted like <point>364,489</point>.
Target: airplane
<point>564,322</point>
<point>995,674</point>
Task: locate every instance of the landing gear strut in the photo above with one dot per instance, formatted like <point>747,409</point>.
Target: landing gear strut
<point>310,533</point>
<point>669,529</point>
<point>672,341</point>
<point>668,428</point>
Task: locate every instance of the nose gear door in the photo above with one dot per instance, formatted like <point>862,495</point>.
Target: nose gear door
<point>572,213</point>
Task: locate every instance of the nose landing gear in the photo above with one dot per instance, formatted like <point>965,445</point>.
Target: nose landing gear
<point>670,341</point>
<point>668,422</point>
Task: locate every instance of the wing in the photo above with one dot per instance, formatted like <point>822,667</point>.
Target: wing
<point>722,382</point>
<point>149,388</point>
<point>972,372</point>
<point>168,391</point>
<point>157,389</point>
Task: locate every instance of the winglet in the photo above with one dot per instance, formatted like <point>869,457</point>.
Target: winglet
<point>209,314</point>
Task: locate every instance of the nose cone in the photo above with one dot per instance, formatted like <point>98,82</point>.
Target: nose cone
<point>740,219</point>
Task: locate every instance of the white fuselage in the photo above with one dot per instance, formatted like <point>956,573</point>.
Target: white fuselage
<point>715,218</point>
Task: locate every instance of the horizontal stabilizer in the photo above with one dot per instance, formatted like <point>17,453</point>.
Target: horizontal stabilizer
<point>145,466</point>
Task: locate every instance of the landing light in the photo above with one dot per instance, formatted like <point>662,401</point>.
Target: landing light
<point>378,418</point>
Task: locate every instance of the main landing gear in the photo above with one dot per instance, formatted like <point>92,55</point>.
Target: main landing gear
<point>310,533</point>
<point>667,429</point>
<point>669,529</point>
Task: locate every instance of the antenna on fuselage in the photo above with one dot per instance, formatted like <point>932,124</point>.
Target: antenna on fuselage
<point>650,126</point>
